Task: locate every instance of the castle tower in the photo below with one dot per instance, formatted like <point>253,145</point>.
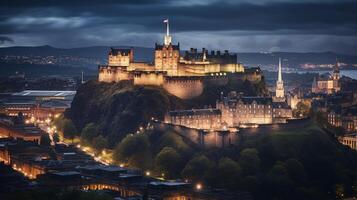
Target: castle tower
<point>336,71</point>
<point>279,90</point>
<point>336,77</point>
<point>167,55</point>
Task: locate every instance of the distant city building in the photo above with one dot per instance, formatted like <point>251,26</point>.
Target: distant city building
<point>343,117</point>
<point>37,104</point>
<point>327,83</point>
<point>182,75</point>
<point>14,127</point>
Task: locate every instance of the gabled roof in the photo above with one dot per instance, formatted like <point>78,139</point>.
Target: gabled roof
<point>117,51</point>
<point>160,47</point>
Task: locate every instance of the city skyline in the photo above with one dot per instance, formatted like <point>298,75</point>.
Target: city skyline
<point>240,26</point>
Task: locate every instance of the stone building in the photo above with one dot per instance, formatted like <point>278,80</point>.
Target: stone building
<point>343,117</point>
<point>232,111</point>
<point>238,110</point>
<point>208,119</point>
<point>327,83</point>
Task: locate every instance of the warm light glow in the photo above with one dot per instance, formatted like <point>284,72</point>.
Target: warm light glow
<point>147,173</point>
<point>198,186</point>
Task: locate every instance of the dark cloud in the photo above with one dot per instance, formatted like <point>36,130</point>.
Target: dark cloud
<point>122,20</point>
<point>4,39</point>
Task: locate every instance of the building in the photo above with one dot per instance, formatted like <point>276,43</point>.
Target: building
<point>15,128</point>
<point>238,110</point>
<point>343,117</point>
<point>232,111</point>
<point>37,104</point>
<point>209,119</point>
<point>279,89</point>
<point>349,140</point>
<point>182,75</point>
<point>327,83</point>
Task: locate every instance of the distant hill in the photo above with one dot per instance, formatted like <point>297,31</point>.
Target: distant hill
<point>293,59</point>
<point>90,57</point>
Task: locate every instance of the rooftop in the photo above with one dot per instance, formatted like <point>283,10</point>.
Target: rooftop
<point>44,93</point>
<point>195,112</point>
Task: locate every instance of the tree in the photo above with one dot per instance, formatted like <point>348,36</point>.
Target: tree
<point>172,139</point>
<point>135,150</point>
<point>168,161</point>
<point>99,143</point>
<point>228,172</point>
<point>88,133</point>
<point>296,171</point>
<point>45,140</point>
<point>249,161</point>
<point>196,168</point>
<point>69,130</point>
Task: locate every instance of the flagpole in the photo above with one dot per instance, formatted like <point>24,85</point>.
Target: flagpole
<point>167,28</point>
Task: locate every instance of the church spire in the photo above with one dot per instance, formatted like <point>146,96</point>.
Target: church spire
<point>279,90</point>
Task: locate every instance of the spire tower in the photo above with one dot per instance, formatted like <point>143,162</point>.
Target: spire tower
<point>279,90</point>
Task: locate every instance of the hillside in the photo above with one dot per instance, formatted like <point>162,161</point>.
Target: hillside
<point>303,162</point>
<point>120,108</point>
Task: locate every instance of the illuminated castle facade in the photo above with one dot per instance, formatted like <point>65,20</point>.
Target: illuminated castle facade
<point>182,75</point>
<point>233,110</point>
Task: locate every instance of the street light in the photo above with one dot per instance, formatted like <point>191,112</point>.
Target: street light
<point>198,186</point>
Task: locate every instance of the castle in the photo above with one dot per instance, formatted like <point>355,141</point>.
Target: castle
<point>184,75</point>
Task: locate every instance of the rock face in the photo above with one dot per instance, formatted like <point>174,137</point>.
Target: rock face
<point>120,108</point>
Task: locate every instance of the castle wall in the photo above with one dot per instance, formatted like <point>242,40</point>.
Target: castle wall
<point>217,80</point>
<point>184,88</point>
<point>204,139</point>
<point>149,78</point>
<point>141,66</point>
<point>112,74</point>
<point>232,68</point>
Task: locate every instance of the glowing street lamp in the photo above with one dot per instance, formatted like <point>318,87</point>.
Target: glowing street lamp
<point>198,186</point>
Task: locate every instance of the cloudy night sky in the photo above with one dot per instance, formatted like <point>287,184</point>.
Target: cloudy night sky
<point>237,25</point>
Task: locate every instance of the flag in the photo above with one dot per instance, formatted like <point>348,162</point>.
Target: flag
<point>166,21</point>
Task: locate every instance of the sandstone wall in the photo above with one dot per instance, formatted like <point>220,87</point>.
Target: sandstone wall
<point>184,88</point>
